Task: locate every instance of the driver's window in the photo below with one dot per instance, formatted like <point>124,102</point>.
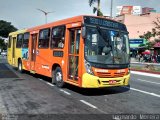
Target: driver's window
<point>116,40</point>
<point>91,42</point>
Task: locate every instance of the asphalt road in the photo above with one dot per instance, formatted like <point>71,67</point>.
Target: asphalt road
<point>33,94</point>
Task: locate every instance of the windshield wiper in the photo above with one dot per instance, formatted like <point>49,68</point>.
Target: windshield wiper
<point>108,44</point>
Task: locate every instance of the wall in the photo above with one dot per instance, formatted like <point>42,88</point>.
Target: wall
<point>138,25</point>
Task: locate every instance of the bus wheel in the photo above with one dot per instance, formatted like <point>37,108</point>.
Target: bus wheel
<point>53,78</point>
<point>20,66</point>
<point>58,77</point>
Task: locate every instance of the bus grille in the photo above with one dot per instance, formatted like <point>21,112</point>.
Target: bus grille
<point>110,75</point>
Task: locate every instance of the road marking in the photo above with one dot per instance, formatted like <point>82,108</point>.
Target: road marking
<point>50,84</point>
<point>148,81</point>
<point>45,82</point>
<point>145,92</point>
<point>146,74</point>
<point>40,79</point>
<point>89,104</point>
<point>65,92</point>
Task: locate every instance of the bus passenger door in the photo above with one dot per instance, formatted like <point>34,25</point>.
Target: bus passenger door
<point>74,41</point>
<point>33,51</point>
<point>13,50</point>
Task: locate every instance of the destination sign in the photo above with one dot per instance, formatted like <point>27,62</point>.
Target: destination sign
<point>104,23</point>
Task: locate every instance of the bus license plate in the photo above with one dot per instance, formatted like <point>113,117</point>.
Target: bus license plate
<point>112,82</point>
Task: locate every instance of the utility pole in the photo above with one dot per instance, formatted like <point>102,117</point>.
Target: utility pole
<point>111,8</point>
<point>45,13</point>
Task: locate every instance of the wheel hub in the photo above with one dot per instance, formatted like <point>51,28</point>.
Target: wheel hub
<point>59,76</point>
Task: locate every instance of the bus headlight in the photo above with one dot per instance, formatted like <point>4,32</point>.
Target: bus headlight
<point>128,70</point>
<point>88,68</point>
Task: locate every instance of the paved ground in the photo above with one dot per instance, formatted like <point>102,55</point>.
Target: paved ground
<point>33,95</point>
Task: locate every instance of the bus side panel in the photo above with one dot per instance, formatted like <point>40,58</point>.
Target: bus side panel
<point>42,64</point>
<point>9,55</point>
<point>18,54</point>
<point>10,52</point>
<point>25,58</point>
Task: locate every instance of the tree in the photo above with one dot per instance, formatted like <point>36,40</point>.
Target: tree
<point>147,35</point>
<point>6,28</point>
<point>157,29</point>
<point>96,9</point>
<point>152,34</point>
<point>3,46</point>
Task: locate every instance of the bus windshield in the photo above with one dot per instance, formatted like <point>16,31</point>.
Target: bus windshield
<point>106,46</point>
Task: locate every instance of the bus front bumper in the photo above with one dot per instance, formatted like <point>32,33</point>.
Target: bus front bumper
<point>90,81</point>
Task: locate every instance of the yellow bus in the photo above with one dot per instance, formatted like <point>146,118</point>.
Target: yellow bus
<point>14,53</point>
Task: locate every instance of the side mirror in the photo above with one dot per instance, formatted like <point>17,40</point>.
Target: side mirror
<point>84,32</point>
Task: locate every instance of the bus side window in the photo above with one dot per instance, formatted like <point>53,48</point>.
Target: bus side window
<point>58,35</point>
<point>19,41</point>
<point>25,40</point>
<point>44,36</point>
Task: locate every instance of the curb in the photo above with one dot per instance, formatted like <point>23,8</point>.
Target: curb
<point>145,63</point>
<point>146,74</point>
<point>145,71</point>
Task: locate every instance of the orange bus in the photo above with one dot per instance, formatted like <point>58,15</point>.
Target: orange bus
<point>85,51</point>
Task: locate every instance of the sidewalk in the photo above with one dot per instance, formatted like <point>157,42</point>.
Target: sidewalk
<point>134,61</point>
<point>144,67</point>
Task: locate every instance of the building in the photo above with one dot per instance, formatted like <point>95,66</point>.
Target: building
<point>147,10</point>
<point>138,25</point>
<point>134,10</point>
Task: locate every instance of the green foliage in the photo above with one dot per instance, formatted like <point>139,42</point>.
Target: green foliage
<point>6,28</point>
<point>157,23</point>
<point>157,40</point>
<point>149,45</point>
<point>147,35</point>
<point>155,32</point>
<point>96,9</point>
<point>91,2</point>
<point>141,45</point>
<point>3,46</point>
<point>99,13</point>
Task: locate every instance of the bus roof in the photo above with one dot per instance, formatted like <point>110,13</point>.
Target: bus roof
<point>66,21</point>
<point>58,22</point>
<point>17,32</point>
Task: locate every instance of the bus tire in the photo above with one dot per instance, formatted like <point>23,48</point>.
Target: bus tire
<point>20,69</point>
<point>58,77</point>
<point>53,79</point>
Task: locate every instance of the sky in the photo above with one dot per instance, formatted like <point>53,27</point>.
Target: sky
<point>24,14</point>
